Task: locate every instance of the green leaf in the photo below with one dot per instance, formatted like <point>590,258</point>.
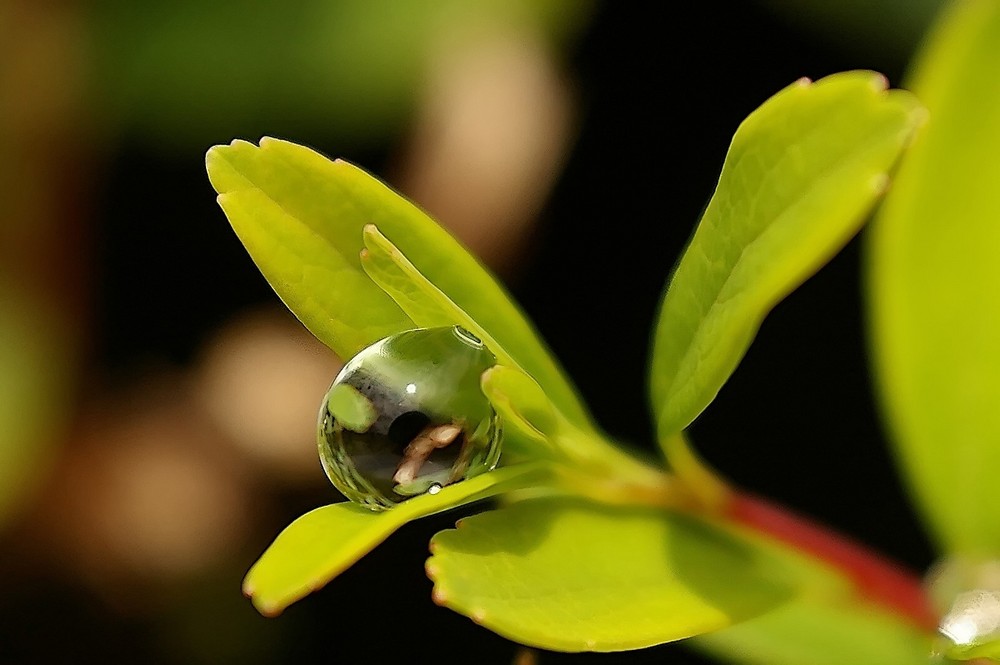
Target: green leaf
<point>807,630</point>
<point>534,428</point>
<point>302,217</point>
<point>529,421</point>
<point>323,543</point>
<point>934,267</point>
<point>527,413</point>
<point>351,70</point>
<point>802,172</point>
<point>568,575</point>
<point>425,304</point>
<point>989,651</point>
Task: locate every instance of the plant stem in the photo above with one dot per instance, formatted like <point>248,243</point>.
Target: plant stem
<point>876,578</point>
<point>712,491</point>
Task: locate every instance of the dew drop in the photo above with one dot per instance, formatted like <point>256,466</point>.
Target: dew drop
<point>406,416</point>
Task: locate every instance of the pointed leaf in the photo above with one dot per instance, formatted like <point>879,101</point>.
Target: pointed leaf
<point>323,543</point>
<point>508,387</point>
<point>425,304</point>
<point>301,217</point>
<point>568,575</point>
<point>935,276</point>
<point>802,172</point>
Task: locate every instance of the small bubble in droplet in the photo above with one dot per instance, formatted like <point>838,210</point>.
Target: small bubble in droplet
<point>407,416</point>
<point>468,337</point>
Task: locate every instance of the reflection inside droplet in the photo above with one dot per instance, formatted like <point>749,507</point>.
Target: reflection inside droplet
<point>407,416</point>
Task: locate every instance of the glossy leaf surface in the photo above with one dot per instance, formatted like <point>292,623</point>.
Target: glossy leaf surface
<point>301,217</point>
<point>801,174</point>
<point>323,543</point>
<point>935,278</point>
<point>425,304</point>
<point>569,575</point>
<point>526,410</point>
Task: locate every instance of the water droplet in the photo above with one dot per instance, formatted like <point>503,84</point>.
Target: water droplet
<point>406,416</point>
<point>967,590</point>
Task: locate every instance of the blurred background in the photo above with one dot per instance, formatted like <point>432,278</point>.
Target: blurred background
<point>157,403</point>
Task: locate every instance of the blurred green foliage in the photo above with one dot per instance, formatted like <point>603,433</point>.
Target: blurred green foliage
<point>184,73</point>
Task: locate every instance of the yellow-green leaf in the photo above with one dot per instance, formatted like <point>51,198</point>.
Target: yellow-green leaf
<point>524,409</point>
<point>323,543</point>
<point>934,283</point>
<point>569,575</point>
<point>808,630</point>
<point>802,172</point>
<point>301,217</point>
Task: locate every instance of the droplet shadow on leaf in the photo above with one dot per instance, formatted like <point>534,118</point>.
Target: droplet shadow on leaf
<point>729,573</point>
<point>567,574</point>
<point>531,529</point>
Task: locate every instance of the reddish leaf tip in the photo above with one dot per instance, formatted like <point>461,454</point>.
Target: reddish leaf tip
<point>269,610</point>
<point>879,82</point>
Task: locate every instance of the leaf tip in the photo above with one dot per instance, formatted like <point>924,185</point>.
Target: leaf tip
<point>878,82</point>
<point>213,156</point>
<point>439,596</point>
<point>803,82</point>
<point>880,183</point>
<point>917,114</point>
<point>431,569</point>
<point>269,610</point>
<point>487,378</point>
<point>373,237</point>
<point>266,608</point>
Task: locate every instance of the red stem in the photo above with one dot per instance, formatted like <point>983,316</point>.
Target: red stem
<point>876,578</point>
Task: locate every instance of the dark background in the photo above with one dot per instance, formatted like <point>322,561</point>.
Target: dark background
<point>661,98</point>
